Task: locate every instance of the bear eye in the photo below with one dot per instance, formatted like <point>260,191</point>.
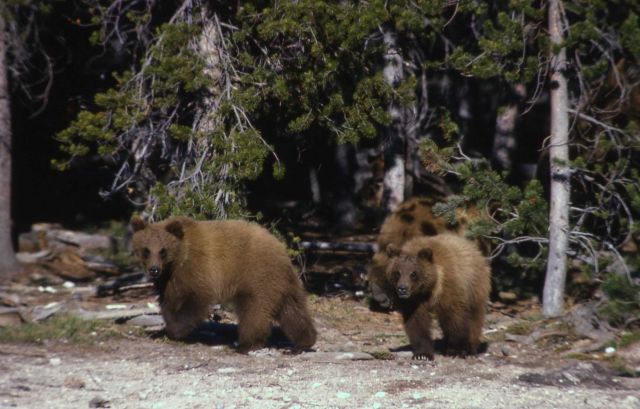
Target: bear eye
<point>396,274</point>
<point>163,253</point>
<point>145,253</point>
<point>414,275</point>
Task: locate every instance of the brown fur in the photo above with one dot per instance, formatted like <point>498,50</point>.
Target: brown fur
<point>413,218</point>
<point>195,264</point>
<point>445,274</point>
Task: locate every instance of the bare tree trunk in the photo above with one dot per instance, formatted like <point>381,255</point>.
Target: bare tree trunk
<point>553,294</point>
<point>8,262</point>
<point>394,147</point>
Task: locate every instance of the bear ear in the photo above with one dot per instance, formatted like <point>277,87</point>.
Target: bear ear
<point>426,254</point>
<point>174,227</point>
<point>137,223</point>
<point>393,250</point>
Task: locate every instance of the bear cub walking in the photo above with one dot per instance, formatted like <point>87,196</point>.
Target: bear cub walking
<point>445,274</point>
<point>195,264</point>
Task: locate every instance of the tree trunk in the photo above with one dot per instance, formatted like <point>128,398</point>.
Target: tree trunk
<point>344,206</point>
<point>8,262</point>
<point>394,145</point>
<point>553,294</point>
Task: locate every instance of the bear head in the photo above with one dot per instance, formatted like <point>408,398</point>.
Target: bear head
<point>157,244</point>
<point>412,275</point>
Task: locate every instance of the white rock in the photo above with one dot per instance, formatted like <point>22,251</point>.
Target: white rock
<point>116,306</point>
<point>343,395</point>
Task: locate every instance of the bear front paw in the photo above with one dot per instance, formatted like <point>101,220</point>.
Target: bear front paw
<point>423,356</point>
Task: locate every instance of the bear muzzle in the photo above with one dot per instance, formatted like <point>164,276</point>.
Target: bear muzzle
<point>154,271</point>
<point>403,292</point>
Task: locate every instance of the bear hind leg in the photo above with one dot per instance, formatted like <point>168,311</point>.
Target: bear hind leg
<point>254,325</point>
<point>296,322</point>
<point>459,339</point>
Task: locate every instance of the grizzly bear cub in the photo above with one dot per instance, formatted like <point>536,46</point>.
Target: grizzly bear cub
<point>414,218</point>
<point>445,274</point>
<point>194,264</point>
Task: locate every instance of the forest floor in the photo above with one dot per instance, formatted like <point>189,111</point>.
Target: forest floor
<point>359,361</point>
<point>52,356</point>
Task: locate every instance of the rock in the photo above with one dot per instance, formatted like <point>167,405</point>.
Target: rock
<point>10,317</point>
<point>340,356</point>
<point>585,346</point>
<point>584,322</point>
<point>116,307</point>
<point>42,312</point>
<point>521,339</point>
<point>586,374</point>
<point>147,320</point>
<point>73,383</point>
<point>507,296</point>
<point>44,277</point>
<point>348,347</point>
<point>508,351</point>
<point>99,402</point>
<point>228,370</point>
<point>9,300</point>
<point>263,352</point>
<point>404,354</point>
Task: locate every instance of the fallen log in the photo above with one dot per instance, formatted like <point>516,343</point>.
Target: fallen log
<point>115,286</point>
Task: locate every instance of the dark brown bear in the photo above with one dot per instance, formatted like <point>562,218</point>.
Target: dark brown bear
<point>445,274</point>
<point>195,264</point>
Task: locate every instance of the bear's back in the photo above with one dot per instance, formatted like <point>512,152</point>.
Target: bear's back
<point>231,254</point>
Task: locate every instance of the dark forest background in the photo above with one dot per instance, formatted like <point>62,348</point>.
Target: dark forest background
<point>327,115</point>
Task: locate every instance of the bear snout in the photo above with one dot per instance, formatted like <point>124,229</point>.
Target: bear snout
<point>154,271</point>
<point>403,292</point>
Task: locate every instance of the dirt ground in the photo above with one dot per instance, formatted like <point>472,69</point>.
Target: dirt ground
<point>360,361</point>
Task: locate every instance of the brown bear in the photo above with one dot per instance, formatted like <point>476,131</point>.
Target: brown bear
<point>445,274</point>
<point>413,218</point>
<point>194,264</point>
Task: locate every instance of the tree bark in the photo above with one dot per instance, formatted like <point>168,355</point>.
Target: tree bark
<point>8,262</point>
<point>553,294</point>
<point>344,206</point>
<point>394,146</point>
